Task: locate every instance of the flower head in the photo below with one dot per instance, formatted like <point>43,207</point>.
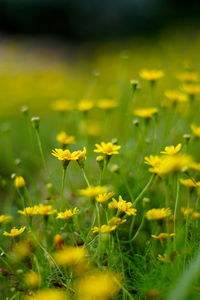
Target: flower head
<point>70,256</point>
<point>101,198</point>
<point>32,279</point>
<point>59,242</point>
<point>92,191</point>
<point>188,182</point>
<point>171,150</point>
<point>62,105</point>
<point>151,75</point>
<point>85,105</point>
<point>67,214</point>
<point>188,76</point>
<point>112,225</point>
<point>176,96</point>
<point>66,155</point>
<point>82,157</point>
<point>195,130</point>
<point>107,104</point>
<point>107,148</point>
<point>162,236</point>
<point>45,210</point>
<point>19,182</point>
<point>65,139</point>
<point>28,211</point>
<point>14,232</point>
<point>50,294</point>
<point>191,89</point>
<point>5,219</point>
<point>158,213</point>
<point>122,206</point>
<point>146,113</point>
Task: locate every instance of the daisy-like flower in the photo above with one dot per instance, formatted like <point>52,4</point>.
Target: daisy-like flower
<point>62,105</point>
<point>19,182</point>
<point>146,113</point>
<point>29,211</point>
<point>162,236</point>
<point>45,210</point>
<point>14,232</point>
<point>92,191</point>
<point>112,225</point>
<point>153,161</point>
<point>85,105</point>
<point>186,211</point>
<point>188,77</point>
<point>82,157</point>
<point>107,104</point>
<point>70,256</point>
<point>191,89</point>
<point>195,166</point>
<point>151,75</point>
<point>188,182</point>
<point>59,242</point>
<point>158,213</point>
<point>176,96</point>
<point>101,198</point>
<point>65,139</point>
<point>5,219</point>
<point>32,279</point>
<point>171,150</point>
<point>195,130</point>
<point>67,214</point>
<point>123,206</point>
<point>66,156</point>
<point>107,148</point>
<point>50,294</point>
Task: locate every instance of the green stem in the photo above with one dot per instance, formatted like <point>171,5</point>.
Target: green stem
<point>85,177</point>
<point>175,209</point>
<point>62,187</point>
<point>144,189</point>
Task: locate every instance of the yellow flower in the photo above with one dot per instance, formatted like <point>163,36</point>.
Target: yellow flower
<point>153,161</point>
<point>116,221</point>
<point>85,105</point>
<point>66,155</point>
<point>162,236</point>
<point>191,89</point>
<point>195,166</point>
<point>188,182</point>
<point>22,249</point>
<point>146,113</point>
<point>163,258</point>
<point>107,148</point>
<point>188,76</point>
<point>5,219</point>
<point>94,129</point>
<point>100,285</point>
<point>158,213</point>
<point>59,242</point>
<point>195,130</point>
<point>62,105</point>
<point>107,104</point>
<point>171,150</point>
<point>93,191</point>
<point>123,206</point>
<point>19,182</point>
<point>104,197</point>
<point>70,256</point>
<point>176,96</point>
<point>65,139</point>
<point>45,210</point>
<point>82,156</point>
<point>113,223</point>
<point>28,211</point>
<point>195,215</point>
<point>50,294</point>
<point>14,232</point>
<point>151,75</point>
<point>67,214</point>
<point>187,211</point>
<point>32,279</point>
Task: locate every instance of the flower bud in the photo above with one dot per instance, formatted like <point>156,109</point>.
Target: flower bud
<point>24,110</point>
<point>35,122</point>
<point>19,182</point>
<point>100,161</point>
<point>59,242</point>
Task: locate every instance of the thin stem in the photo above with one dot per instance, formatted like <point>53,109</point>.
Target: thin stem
<point>62,187</point>
<point>144,189</point>
<point>123,289</point>
<point>175,209</point>
<point>85,177</point>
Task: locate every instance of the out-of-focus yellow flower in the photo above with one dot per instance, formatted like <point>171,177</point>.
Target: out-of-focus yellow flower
<point>107,148</point>
<point>28,211</point>
<point>188,76</point>
<point>94,129</point>
<point>85,105</point>
<point>65,139</point>
<point>188,182</point>
<point>163,258</point>
<point>97,286</point>
<point>5,219</point>
<point>191,89</point>
<point>45,210</point>
<point>67,214</point>
<point>14,232</point>
<point>19,182</point>
<point>154,162</point>
<point>123,206</point>
<point>22,249</point>
<point>112,225</point>
<point>32,279</point>
<point>151,75</point>
<point>101,198</point>
<point>162,236</point>
<point>195,166</point>
<point>50,294</point>
<point>70,256</point>
<point>66,155</point>
<point>158,213</point>
<point>107,104</point>
<point>59,242</point>
<point>195,130</point>
<point>146,113</point>
<point>92,191</point>
<point>187,211</point>
<point>171,150</point>
<point>195,215</point>
<point>176,96</point>
<point>62,105</point>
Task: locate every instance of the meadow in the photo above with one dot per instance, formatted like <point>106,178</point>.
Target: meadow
<point>100,169</point>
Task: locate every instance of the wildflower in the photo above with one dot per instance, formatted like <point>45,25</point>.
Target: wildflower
<point>163,258</point>
<point>66,156</point>
<point>104,197</point>
<point>50,294</point>
<point>59,242</point>
<point>45,210</point>
<point>32,279</point>
<point>151,75</point>
<point>107,148</point>
<point>107,104</point>
<point>146,113</point>
<point>195,215</point>
<point>123,206</point>
<point>175,96</point>
<point>14,232</point>
<point>99,285</point>
<point>62,105</point>
<point>187,211</point>
<point>94,129</point>
<point>70,256</point>
<point>35,123</point>
<point>100,161</point>
<point>134,84</point>
<point>67,214</point>
<point>171,150</point>
<point>19,182</point>
<point>195,166</point>
<point>195,130</point>
<point>112,225</point>
<point>162,236</point>
<point>85,105</point>
<point>188,77</point>
<point>158,213</point>
<point>93,191</point>
<point>191,89</point>
<point>188,182</point>
<point>154,162</point>
<point>5,219</point>
<point>65,139</point>
<point>28,211</point>
<point>82,157</point>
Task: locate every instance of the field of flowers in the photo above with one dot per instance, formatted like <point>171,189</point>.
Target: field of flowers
<point>100,170</point>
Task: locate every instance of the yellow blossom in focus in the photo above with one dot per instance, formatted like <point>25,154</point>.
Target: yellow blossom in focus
<point>62,105</point>
<point>28,211</point>
<point>162,236</point>
<point>5,219</point>
<point>158,213</point>
<point>171,150</point>
<point>107,104</point>
<point>195,130</point>
<point>19,182</point>
<point>32,279</point>
<point>65,139</point>
<point>107,148</point>
<point>66,155</point>
<point>50,294</point>
<point>151,75</point>
<point>92,191</point>
<point>146,113</point>
<point>85,105</point>
<point>14,232</point>
<point>188,76</point>
<point>70,256</point>
<point>112,225</point>
<point>67,214</point>
<point>176,96</point>
<point>123,206</point>
<point>104,197</point>
<point>191,89</point>
<point>45,210</point>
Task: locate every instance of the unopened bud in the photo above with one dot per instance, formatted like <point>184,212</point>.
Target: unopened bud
<point>35,122</point>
